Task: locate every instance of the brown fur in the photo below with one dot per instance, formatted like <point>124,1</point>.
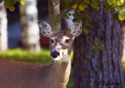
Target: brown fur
<point>14,74</point>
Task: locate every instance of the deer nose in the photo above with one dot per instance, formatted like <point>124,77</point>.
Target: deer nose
<point>54,54</point>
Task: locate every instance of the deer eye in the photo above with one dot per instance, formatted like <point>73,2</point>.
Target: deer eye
<point>67,41</point>
<point>52,41</point>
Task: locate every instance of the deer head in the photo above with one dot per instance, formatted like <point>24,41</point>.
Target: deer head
<point>61,41</point>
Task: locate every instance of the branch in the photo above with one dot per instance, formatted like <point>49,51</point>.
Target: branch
<point>65,12</point>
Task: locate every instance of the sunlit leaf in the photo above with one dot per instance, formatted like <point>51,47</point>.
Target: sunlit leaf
<point>111,2</point>
<point>95,47</point>
<point>85,30</point>
<point>117,8</point>
<point>122,16</point>
<point>81,8</point>
<point>122,10</point>
<point>101,47</point>
<point>87,1</point>
<point>118,2</point>
<point>23,2</point>
<point>11,8</point>
<point>74,6</point>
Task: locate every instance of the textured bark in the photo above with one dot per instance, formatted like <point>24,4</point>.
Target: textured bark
<point>29,22</point>
<point>97,69</point>
<point>3,28</point>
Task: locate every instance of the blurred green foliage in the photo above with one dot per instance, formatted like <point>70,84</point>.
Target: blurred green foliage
<point>10,3</point>
<point>42,57</point>
<point>27,56</point>
<point>82,5</point>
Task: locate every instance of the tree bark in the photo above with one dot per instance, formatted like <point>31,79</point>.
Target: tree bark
<point>54,12</point>
<point>29,23</point>
<point>101,68</point>
<point>3,28</point>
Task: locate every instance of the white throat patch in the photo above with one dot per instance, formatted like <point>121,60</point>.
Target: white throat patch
<point>64,59</point>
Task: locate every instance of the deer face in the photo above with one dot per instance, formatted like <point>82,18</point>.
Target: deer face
<point>61,41</point>
<point>61,45</point>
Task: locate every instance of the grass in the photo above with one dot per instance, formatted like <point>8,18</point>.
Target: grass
<point>42,57</point>
<point>27,56</point>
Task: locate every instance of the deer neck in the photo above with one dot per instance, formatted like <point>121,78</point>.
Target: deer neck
<point>61,70</point>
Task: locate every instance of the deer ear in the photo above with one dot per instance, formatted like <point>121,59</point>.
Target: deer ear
<point>76,28</point>
<point>45,29</point>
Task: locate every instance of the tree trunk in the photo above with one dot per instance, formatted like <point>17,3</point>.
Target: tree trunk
<point>54,12</point>
<point>29,23</point>
<point>3,28</point>
<point>101,68</point>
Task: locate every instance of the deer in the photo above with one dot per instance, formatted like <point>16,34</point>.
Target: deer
<point>15,74</point>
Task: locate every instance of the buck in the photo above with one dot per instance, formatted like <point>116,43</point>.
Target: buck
<point>14,74</point>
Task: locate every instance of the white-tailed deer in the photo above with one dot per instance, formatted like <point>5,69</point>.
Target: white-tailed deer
<point>14,74</point>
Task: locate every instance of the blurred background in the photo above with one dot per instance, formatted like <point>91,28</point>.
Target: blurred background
<point>20,37</point>
<point>14,24</point>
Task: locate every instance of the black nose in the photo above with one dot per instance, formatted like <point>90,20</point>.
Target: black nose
<point>54,54</point>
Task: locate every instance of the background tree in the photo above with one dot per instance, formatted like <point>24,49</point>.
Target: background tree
<point>29,22</point>
<point>3,28</point>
